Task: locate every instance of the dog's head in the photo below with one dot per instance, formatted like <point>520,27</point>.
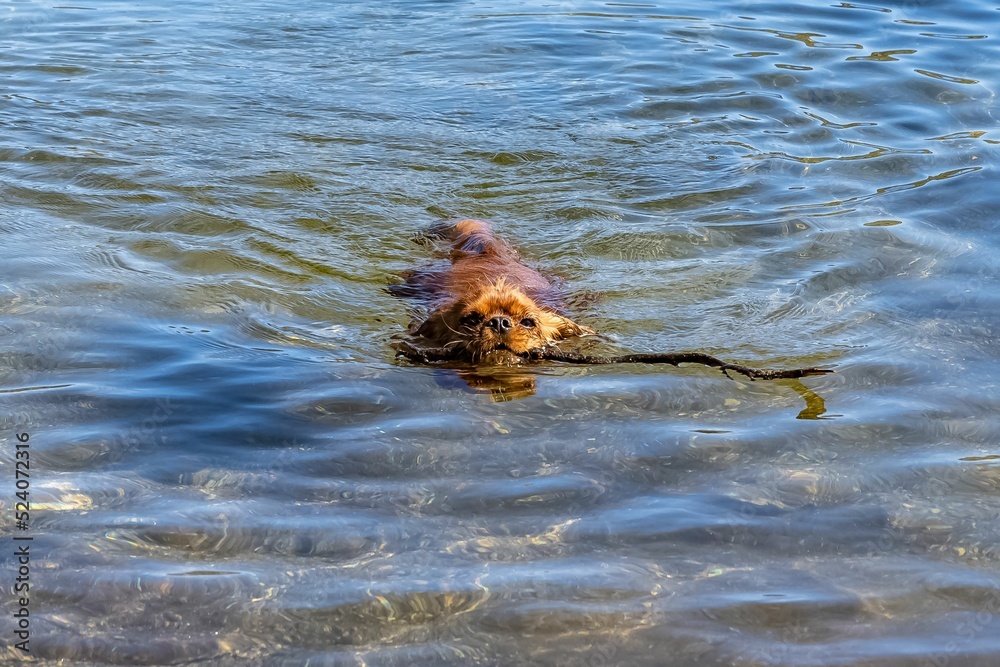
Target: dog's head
<point>494,318</point>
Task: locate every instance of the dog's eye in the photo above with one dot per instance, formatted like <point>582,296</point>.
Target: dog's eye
<point>528,323</point>
<point>471,320</point>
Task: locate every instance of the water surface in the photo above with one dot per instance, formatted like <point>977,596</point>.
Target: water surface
<point>202,205</point>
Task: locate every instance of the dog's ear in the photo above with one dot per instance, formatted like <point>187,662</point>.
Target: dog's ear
<point>431,327</point>
<point>563,327</point>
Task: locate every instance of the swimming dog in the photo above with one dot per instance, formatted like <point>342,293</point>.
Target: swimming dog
<point>486,305</point>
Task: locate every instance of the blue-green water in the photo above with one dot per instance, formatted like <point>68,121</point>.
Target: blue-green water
<point>201,205</point>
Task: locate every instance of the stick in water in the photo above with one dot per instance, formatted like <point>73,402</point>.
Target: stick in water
<point>432,354</point>
<point>677,358</point>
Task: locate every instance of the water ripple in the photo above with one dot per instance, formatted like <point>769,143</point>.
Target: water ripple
<point>203,206</point>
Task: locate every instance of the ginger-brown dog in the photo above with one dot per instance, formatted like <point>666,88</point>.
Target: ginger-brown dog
<point>486,301</point>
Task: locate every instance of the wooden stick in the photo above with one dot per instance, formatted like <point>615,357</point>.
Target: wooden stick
<point>674,359</point>
<point>434,354</point>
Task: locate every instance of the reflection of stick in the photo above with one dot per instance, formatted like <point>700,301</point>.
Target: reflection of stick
<point>428,355</point>
<point>815,405</point>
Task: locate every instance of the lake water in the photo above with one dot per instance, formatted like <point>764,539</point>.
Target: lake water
<point>203,203</point>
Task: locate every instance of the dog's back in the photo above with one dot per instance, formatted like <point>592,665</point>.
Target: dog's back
<point>475,237</point>
<point>478,258</point>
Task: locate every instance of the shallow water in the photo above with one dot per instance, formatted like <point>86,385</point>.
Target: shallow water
<point>203,205</point>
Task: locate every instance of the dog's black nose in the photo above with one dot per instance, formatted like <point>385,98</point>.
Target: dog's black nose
<point>500,323</point>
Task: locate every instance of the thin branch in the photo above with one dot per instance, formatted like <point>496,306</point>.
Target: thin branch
<point>435,354</point>
<point>675,359</point>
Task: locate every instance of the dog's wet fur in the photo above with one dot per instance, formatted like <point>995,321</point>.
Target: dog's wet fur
<point>486,305</point>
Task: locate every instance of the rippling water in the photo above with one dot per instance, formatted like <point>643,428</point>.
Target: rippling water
<point>202,204</point>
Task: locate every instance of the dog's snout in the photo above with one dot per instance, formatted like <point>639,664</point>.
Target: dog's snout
<point>500,323</point>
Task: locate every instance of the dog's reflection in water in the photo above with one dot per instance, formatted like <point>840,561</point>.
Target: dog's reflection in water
<point>499,377</point>
<point>500,384</point>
